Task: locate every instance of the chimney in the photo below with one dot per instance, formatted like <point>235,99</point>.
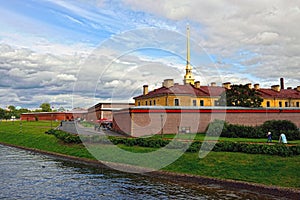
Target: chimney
<point>145,89</point>
<point>281,83</point>
<point>168,83</point>
<point>256,86</point>
<point>197,84</point>
<point>226,85</point>
<point>213,84</point>
<point>275,88</point>
<point>249,85</point>
<point>298,88</point>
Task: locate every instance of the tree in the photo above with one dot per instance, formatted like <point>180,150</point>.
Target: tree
<point>241,96</point>
<point>45,107</point>
<point>11,108</point>
<point>2,113</point>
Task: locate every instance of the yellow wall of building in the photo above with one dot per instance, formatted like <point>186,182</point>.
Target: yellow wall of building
<point>170,101</point>
<point>284,103</point>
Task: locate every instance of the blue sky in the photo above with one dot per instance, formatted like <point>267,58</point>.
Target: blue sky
<point>76,53</point>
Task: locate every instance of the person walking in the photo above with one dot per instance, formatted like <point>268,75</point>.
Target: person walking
<point>269,135</point>
<point>282,138</point>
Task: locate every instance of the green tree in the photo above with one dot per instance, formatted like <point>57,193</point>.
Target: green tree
<point>45,107</point>
<point>12,108</point>
<point>7,115</point>
<point>2,113</point>
<point>241,96</point>
<point>20,111</point>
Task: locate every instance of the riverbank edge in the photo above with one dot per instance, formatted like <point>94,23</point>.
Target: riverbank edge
<point>291,193</point>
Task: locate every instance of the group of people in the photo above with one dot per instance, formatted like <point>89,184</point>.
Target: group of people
<point>282,138</point>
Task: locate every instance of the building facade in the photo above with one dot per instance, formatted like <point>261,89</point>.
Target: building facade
<point>104,110</point>
<point>191,93</point>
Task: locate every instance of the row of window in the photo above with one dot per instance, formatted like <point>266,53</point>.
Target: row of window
<point>286,104</point>
<point>176,102</point>
<point>150,103</point>
<point>195,102</point>
<point>201,103</point>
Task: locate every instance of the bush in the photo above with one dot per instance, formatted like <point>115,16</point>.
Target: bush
<point>276,127</point>
<point>216,127</point>
<point>241,131</point>
<point>278,149</point>
<point>64,136</point>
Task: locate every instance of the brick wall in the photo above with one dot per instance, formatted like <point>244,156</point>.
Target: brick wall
<point>140,121</point>
<point>48,116</point>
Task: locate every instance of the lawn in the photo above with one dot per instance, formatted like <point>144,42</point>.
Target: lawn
<point>264,169</point>
<point>32,135</point>
<point>201,137</point>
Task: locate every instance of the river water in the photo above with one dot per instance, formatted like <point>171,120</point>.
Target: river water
<point>28,175</point>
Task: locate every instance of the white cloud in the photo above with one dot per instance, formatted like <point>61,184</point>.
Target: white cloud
<point>266,28</point>
<point>265,38</point>
<point>66,77</point>
<point>250,41</point>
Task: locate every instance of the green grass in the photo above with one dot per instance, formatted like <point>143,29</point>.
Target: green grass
<point>87,124</point>
<point>201,137</point>
<point>32,135</point>
<point>264,169</point>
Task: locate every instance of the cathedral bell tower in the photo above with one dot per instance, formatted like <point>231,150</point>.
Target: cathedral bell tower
<point>188,77</point>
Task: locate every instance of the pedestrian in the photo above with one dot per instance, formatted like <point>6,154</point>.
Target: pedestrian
<point>282,138</point>
<point>269,135</point>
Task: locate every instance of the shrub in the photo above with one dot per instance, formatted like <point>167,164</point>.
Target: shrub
<point>234,131</point>
<point>194,147</point>
<point>64,136</point>
<point>281,126</point>
<point>216,127</point>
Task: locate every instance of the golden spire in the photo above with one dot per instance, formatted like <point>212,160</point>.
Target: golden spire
<point>189,77</point>
<point>188,47</point>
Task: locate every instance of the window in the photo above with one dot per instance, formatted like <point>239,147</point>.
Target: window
<point>154,102</point>
<point>139,103</point>
<point>194,103</point>
<point>201,103</point>
<point>268,103</point>
<point>286,104</point>
<point>216,103</point>
<point>176,102</point>
<point>146,103</point>
<point>150,103</point>
<point>297,104</point>
<point>280,104</point>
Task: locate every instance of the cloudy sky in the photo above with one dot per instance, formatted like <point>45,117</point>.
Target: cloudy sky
<point>77,53</point>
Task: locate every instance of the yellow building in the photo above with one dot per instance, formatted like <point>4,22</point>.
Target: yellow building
<point>191,93</point>
<point>277,96</point>
<point>174,94</point>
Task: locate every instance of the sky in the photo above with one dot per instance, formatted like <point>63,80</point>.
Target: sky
<point>78,53</point>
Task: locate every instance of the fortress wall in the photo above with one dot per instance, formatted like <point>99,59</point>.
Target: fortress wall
<point>139,121</point>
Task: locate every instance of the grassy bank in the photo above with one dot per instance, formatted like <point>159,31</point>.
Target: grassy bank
<point>264,169</point>
<point>202,136</point>
<point>32,135</point>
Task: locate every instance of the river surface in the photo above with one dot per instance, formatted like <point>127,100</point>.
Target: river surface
<point>28,175</point>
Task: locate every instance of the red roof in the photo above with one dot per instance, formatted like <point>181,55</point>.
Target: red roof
<point>283,93</point>
<point>176,89</point>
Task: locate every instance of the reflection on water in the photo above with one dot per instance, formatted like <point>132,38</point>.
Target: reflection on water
<point>25,175</point>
